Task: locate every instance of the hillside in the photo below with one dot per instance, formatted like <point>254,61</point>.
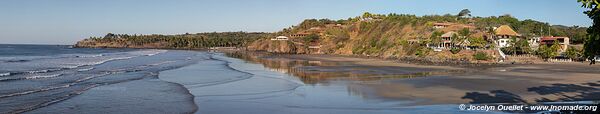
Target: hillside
<point>399,35</point>
<point>376,35</point>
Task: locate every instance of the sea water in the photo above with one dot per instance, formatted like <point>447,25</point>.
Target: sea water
<point>38,76</point>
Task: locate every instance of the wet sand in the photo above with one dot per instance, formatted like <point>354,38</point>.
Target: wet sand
<point>148,96</point>
<point>525,83</point>
<point>238,86</point>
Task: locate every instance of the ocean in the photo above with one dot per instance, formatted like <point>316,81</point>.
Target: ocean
<point>36,76</point>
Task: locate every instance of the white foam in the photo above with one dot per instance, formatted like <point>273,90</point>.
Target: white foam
<point>5,74</point>
<point>43,76</point>
<point>89,55</point>
<point>86,69</point>
<point>38,71</point>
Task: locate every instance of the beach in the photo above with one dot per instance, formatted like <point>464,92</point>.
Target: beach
<point>527,83</point>
<point>174,81</point>
<point>264,83</point>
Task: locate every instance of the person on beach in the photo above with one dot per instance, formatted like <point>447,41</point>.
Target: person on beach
<point>592,60</point>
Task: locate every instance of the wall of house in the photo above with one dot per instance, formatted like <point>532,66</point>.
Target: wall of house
<point>503,42</point>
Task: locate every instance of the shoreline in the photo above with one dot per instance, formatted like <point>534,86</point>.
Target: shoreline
<point>137,96</point>
<point>136,90</point>
<point>523,80</point>
<point>411,94</point>
<point>407,59</point>
<point>271,81</point>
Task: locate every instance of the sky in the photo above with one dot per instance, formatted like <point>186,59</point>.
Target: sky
<point>68,21</point>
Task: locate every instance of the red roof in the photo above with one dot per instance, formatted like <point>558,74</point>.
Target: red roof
<point>551,38</point>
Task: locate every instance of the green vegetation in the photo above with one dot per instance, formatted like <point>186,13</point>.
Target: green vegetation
<point>574,53</point>
<point>194,41</point>
<point>455,50</point>
<point>464,12</point>
<point>311,38</point>
<point>517,47</point>
<point>382,35</point>
<point>398,35</point>
<point>592,43</point>
<point>548,52</point>
<point>477,42</point>
<point>423,51</point>
<point>481,56</point>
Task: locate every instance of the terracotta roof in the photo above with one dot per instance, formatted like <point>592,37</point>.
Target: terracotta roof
<point>506,30</point>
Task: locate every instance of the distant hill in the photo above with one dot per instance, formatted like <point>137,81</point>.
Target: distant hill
<point>180,41</point>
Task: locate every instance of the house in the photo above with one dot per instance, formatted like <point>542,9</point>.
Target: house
<point>503,35</point>
<point>564,42</point>
<point>313,30</point>
<point>300,34</point>
<point>339,26</point>
<point>534,42</point>
<point>280,38</point>
<point>447,39</point>
<point>442,25</point>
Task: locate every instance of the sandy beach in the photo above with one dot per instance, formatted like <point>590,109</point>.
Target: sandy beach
<point>503,83</point>
<point>263,83</point>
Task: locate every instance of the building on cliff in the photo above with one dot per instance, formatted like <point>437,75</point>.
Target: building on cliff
<point>280,38</point>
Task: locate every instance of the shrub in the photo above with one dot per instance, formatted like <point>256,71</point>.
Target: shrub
<point>455,50</point>
<point>311,38</point>
<point>423,51</point>
<point>574,53</point>
<point>481,56</point>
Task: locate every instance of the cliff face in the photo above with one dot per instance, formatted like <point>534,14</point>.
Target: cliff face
<point>285,47</point>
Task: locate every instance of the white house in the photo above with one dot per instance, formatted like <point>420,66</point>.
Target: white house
<point>441,25</point>
<point>504,34</point>
<point>280,38</point>
<point>534,42</point>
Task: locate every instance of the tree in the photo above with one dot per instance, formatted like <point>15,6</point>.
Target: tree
<point>367,15</point>
<point>464,12</point>
<point>436,38</point>
<point>462,35</point>
<point>478,42</point>
<point>480,56</point>
<point>592,43</point>
<point>311,38</point>
<point>573,53</point>
<point>546,52</point>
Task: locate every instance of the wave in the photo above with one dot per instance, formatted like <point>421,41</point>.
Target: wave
<point>42,71</point>
<point>156,52</point>
<point>34,91</point>
<point>18,59</point>
<point>86,69</point>
<point>5,74</point>
<point>43,76</point>
<point>89,56</point>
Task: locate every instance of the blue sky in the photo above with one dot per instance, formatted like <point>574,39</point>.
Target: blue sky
<point>67,21</point>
